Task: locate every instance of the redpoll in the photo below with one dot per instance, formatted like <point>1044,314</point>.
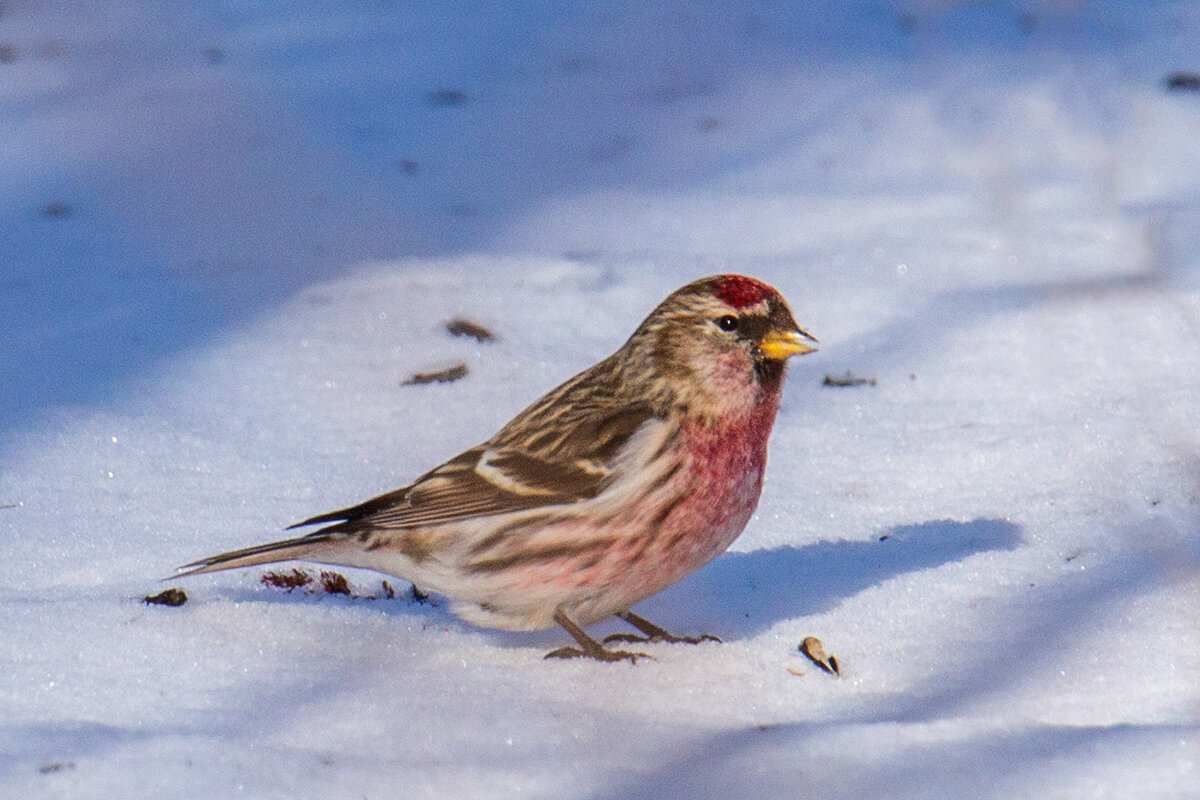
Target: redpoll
<point>625,479</point>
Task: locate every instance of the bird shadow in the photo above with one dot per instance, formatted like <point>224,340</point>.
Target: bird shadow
<point>739,595</point>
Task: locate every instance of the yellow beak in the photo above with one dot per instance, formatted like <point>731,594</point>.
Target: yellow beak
<point>785,344</point>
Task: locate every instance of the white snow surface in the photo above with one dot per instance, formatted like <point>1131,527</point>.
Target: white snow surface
<point>232,229</point>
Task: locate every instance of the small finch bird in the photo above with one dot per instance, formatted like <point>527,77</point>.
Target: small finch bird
<point>625,479</point>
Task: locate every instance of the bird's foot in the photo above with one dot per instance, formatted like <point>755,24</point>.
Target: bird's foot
<point>656,638</point>
<point>653,633</point>
<point>588,647</point>
<point>600,654</point>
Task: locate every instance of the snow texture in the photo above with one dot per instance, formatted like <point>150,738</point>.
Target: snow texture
<point>232,229</point>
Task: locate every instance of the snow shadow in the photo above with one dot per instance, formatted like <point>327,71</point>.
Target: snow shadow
<point>54,746</point>
<point>795,761</point>
<point>169,183</point>
<point>739,595</point>
<point>803,758</point>
<point>152,203</point>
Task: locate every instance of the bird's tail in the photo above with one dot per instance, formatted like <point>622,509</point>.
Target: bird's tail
<point>318,547</point>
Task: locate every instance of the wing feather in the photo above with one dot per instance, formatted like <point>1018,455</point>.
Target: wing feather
<point>507,474</point>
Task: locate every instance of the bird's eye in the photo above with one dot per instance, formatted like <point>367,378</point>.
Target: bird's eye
<point>727,323</point>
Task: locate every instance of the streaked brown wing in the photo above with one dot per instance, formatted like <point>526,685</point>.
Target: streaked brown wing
<point>459,490</point>
<point>501,476</point>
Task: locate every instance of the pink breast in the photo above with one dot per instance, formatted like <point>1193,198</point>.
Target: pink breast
<point>719,485</point>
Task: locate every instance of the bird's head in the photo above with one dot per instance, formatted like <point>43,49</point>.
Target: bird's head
<point>721,341</point>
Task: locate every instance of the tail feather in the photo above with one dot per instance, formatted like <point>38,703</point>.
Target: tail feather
<point>354,513</point>
<point>303,548</point>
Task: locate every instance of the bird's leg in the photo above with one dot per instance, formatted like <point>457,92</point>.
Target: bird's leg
<point>588,647</point>
<point>653,632</point>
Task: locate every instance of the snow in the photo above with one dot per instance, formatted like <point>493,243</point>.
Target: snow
<point>233,229</point>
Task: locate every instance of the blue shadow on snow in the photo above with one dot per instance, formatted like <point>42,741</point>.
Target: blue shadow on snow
<point>742,594</point>
<point>739,595</point>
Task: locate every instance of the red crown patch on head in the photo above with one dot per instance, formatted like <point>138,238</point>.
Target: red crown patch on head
<point>740,291</point>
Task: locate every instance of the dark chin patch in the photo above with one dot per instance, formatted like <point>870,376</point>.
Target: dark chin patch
<point>769,371</point>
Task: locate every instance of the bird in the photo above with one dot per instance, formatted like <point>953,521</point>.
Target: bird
<point>613,486</point>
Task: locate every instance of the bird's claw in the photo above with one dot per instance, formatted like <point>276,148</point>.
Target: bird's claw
<point>599,654</point>
<point>662,637</point>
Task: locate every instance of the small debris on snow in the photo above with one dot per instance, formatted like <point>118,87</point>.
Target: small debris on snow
<point>287,581</point>
<point>170,597</point>
<point>51,767</point>
<point>848,378</point>
<point>448,98</point>
<point>460,326</point>
<point>335,583</point>
<point>448,374</point>
<point>1183,82</point>
<point>332,582</point>
<point>56,209</point>
<point>815,650</point>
